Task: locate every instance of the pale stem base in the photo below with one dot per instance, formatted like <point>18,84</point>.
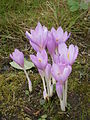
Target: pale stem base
<point>29,81</point>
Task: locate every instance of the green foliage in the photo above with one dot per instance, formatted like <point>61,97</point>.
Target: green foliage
<point>75,5</point>
<point>43,117</point>
<point>27,65</point>
<point>83,5</point>
<point>27,92</point>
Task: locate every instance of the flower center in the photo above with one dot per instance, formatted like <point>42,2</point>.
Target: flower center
<point>57,39</point>
<point>58,73</point>
<point>68,55</point>
<point>39,60</point>
<point>41,47</point>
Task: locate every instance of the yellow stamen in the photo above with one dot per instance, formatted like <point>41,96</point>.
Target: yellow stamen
<point>68,55</point>
<point>39,60</point>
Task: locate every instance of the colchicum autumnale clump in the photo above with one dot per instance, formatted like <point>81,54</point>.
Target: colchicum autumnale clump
<point>62,58</point>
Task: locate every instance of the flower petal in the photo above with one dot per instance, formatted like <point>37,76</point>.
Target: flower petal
<point>59,89</point>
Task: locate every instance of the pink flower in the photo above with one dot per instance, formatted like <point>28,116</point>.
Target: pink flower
<point>61,72</point>
<point>68,55</point>
<point>59,35</point>
<point>51,45</point>
<point>38,37</point>
<point>40,60</point>
<point>18,57</point>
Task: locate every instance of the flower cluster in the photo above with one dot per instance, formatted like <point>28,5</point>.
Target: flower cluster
<point>62,57</point>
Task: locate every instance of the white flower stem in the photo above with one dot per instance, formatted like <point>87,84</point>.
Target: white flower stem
<point>62,105</point>
<point>62,100</point>
<point>53,81</point>
<point>66,83</point>
<point>45,95</point>
<point>48,87</point>
<point>44,86</point>
<point>29,81</point>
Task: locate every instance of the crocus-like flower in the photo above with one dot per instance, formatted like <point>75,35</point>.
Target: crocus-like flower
<point>68,55</point>
<point>51,45</point>
<point>18,57</point>
<point>59,35</point>
<point>38,37</point>
<point>60,72</point>
<point>40,60</point>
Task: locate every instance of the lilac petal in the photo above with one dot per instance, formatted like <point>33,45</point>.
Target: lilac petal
<point>35,46</point>
<point>66,73</point>
<point>18,57</point>
<point>56,58</point>
<point>60,32</point>
<point>60,29</point>
<point>62,48</point>
<point>21,60</point>
<point>66,36</point>
<point>35,61</point>
<point>51,46</point>
<point>53,30</point>
<point>45,29</point>
<point>62,67</point>
<point>75,52</point>
<point>11,56</point>
<point>40,60</point>
<point>28,35</point>
<point>39,57</point>
<point>59,89</point>
<point>31,31</point>
<point>63,59</point>
<point>71,54</point>
<point>44,37</point>
<point>48,70</point>
<point>69,35</point>
<point>55,70</point>
<point>44,55</point>
<point>38,28</point>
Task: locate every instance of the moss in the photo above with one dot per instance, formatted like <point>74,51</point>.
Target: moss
<point>11,92</point>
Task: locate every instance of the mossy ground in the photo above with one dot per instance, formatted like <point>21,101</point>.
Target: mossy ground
<point>15,102</point>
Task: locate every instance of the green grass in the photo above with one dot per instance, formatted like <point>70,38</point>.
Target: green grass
<point>15,18</point>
